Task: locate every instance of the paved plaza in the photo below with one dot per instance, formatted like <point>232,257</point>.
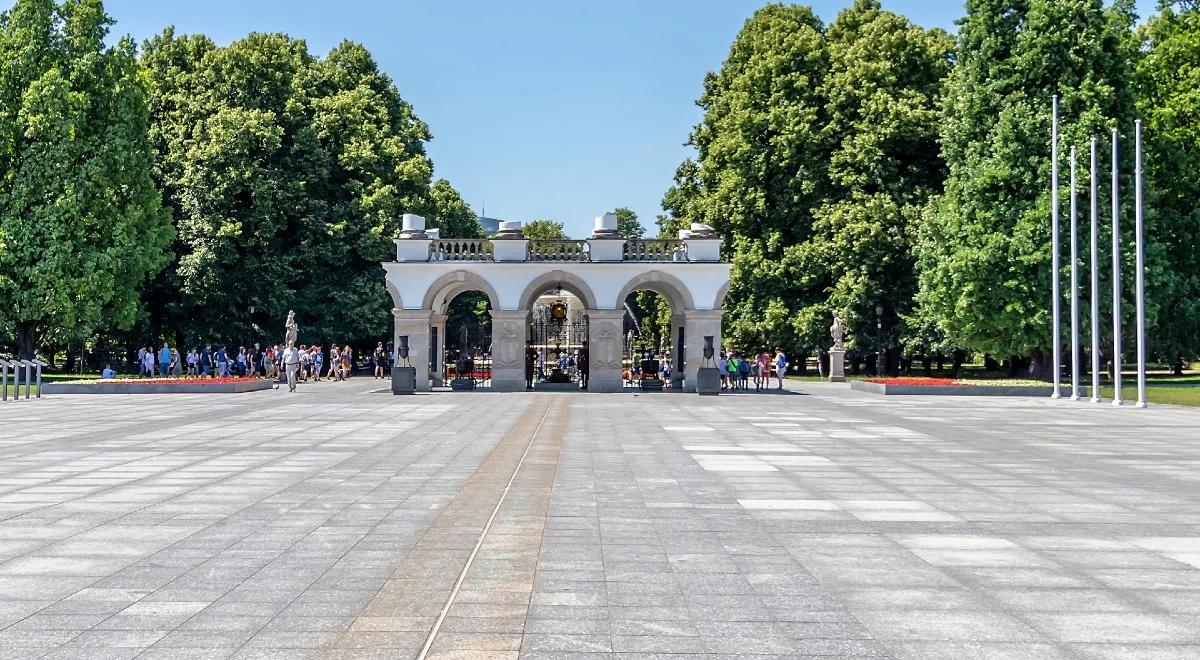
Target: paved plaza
<point>344,522</point>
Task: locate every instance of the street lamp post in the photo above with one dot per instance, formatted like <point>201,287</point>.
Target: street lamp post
<point>879,363</point>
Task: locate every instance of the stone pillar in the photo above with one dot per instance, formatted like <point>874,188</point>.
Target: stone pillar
<point>605,349</point>
<point>698,324</point>
<point>437,370</point>
<point>837,365</point>
<point>415,324</point>
<point>510,328</point>
<point>678,323</point>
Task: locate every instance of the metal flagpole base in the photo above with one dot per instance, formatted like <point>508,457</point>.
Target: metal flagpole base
<point>1095,399</point>
<point>1116,402</point>
<point>1140,404</point>
<point>1074,397</point>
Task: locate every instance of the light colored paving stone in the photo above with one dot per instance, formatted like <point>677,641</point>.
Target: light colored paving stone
<point>667,526</point>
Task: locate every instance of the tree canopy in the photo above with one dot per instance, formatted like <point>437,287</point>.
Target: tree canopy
<point>544,230</point>
<point>287,175</point>
<point>81,222</point>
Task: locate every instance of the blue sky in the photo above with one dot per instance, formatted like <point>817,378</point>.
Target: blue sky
<point>560,110</point>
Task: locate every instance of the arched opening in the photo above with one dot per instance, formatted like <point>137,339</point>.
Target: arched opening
<point>465,338</point>
<point>651,359</point>
<point>653,337</point>
<point>460,332</point>
<point>556,348</point>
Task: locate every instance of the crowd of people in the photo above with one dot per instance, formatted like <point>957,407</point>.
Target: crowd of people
<point>310,363</point>
<point>737,370</point>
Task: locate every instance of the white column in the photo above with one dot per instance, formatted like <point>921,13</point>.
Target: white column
<point>1116,270</point>
<point>678,322</point>
<point>415,324</point>
<point>1074,282</point>
<point>1140,232</point>
<point>1095,288</point>
<point>698,324</point>
<point>509,330</point>
<point>438,352</point>
<point>1056,292</point>
<point>605,349</point>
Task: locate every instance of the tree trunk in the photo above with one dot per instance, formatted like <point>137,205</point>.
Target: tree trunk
<point>803,364</point>
<point>928,364</point>
<point>26,339</point>
<point>941,363</point>
<point>959,357</point>
<point>69,364</point>
<point>1178,368</point>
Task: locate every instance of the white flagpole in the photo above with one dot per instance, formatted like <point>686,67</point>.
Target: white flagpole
<point>1056,294</point>
<point>1140,230</point>
<point>1095,290</point>
<point>1116,270</point>
<point>1074,281</point>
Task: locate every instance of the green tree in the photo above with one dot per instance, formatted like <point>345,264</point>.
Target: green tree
<point>982,246</point>
<point>1168,77</point>
<point>881,95</point>
<point>628,225</point>
<point>288,175</point>
<point>544,230</point>
<point>760,168</point>
<point>81,224</point>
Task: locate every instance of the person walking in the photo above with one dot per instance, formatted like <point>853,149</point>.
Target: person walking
<point>206,360</point>
<point>291,365</point>
<point>141,361</point>
<point>176,364</point>
<point>347,362</point>
<point>723,367</point>
<point>148,362</point>
<point>764,372</point>
<point>781,365</point>
<point>378,357</point>
<point>241,361</point>
<point>222,358</point>
<point>193,362</point>
<point>318,360</point>
<point>164,360</point>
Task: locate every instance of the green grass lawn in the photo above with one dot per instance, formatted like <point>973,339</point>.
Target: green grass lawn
<point>1161,388</point>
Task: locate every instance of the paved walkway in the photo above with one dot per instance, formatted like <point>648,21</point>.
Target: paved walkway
<point>343,522</point>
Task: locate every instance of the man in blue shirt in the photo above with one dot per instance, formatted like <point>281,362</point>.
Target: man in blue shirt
<point>108,372</point>
<point>164,360</point>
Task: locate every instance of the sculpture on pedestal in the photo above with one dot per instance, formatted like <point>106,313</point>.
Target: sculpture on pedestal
<point>291,329</point>
<point>838,332</point>
<point>837,354</point>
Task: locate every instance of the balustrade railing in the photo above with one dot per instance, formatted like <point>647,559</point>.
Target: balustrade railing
<point>461,249</point>
<point>547,250</point>
<point>655,249</point>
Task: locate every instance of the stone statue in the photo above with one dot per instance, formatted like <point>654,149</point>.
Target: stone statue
<point>291,330</point>
<point>838,332</point>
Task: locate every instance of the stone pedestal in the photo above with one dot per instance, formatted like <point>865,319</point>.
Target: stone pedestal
<point>837,366</point>
<point>415,323</point>
<point>604,350</point>
<point>404,380</point>
<point>510,328</point>
<point>697,325</point>
<point>708,381</point>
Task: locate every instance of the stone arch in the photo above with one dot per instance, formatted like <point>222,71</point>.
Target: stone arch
<point>669,286</point>
<point>719,302</point>
<point>553,279</point>
<point>445,288</point>
<point>397,302</point>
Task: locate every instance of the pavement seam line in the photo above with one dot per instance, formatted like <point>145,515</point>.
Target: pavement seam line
<point>462,576</point>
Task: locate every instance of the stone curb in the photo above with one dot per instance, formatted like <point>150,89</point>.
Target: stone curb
<point>156,388</point>
<point>951,390</point>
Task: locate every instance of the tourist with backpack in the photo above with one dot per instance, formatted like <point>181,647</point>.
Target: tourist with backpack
<point>781,365</point>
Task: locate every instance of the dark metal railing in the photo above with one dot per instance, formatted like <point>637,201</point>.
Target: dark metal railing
<point>545,250</point>
<point>461,249</point>
<point>655,249</point>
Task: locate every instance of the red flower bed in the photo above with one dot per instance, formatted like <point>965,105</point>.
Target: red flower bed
<point>171,381</point>
<point>919,382</point>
